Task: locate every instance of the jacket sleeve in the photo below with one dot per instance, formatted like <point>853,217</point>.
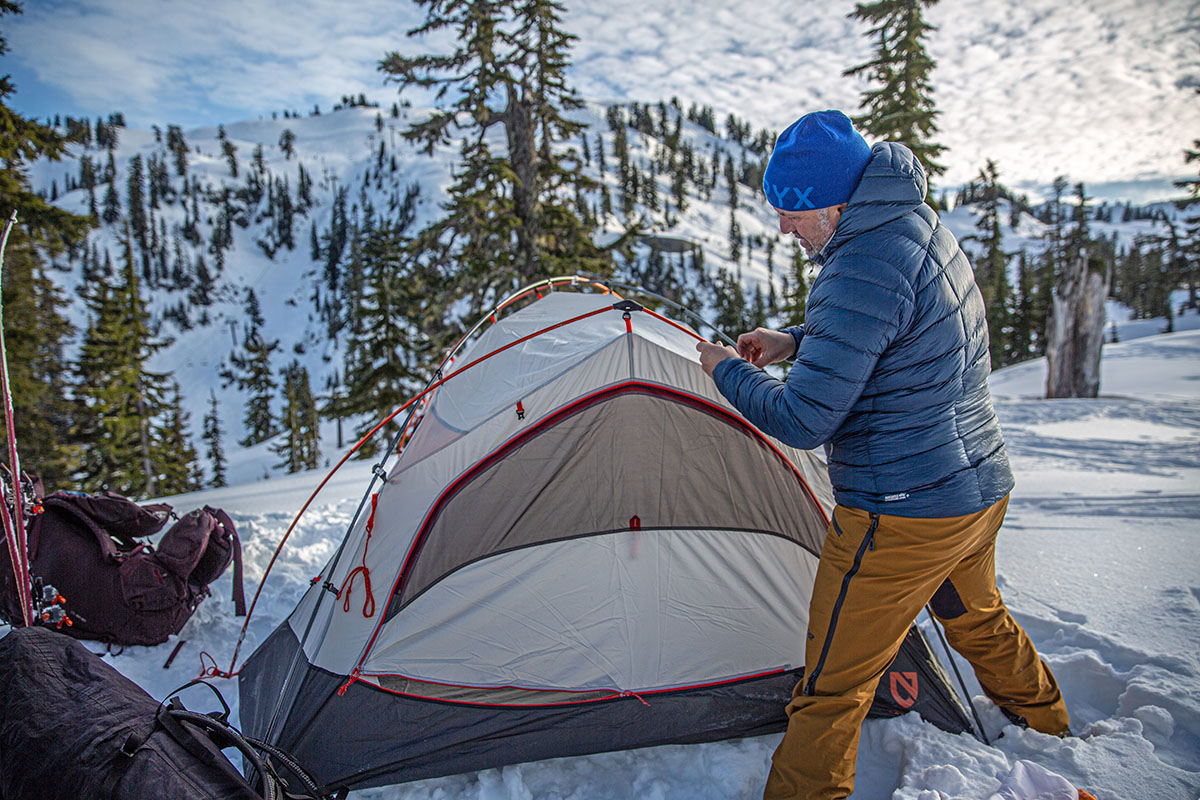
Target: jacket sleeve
<point>853,315</point>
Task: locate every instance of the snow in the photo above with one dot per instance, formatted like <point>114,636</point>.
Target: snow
<point>1097,561</point>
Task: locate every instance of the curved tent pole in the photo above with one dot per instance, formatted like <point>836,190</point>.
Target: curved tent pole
<point>691,315</point>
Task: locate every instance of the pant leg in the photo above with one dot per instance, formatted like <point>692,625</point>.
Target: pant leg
<point>875,575</point>
<point>872,581</point>
<point>979,626</point>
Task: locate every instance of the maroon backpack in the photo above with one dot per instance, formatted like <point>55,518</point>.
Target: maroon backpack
<point>115,586</point>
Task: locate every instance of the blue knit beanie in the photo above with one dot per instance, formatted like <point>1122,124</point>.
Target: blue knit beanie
<point>817,162</point>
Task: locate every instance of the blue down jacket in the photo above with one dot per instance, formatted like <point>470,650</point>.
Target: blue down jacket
<point>892,362</point>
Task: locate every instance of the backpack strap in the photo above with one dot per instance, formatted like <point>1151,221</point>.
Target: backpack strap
<point>239,592</point>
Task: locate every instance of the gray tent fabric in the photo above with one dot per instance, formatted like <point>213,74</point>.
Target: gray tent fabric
<point>581,547</point>
<point>602,444</point>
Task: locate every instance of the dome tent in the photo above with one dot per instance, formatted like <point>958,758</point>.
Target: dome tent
<point>580,547</point>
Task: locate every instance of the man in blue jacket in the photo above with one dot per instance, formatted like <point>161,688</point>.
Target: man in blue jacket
<point>890,375</point>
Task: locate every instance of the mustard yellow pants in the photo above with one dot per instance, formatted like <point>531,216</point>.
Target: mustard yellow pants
<point>876,574</point>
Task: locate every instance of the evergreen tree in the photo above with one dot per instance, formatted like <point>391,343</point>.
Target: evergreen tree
<point>212,436</point>
<point>1050,263</point>
<point>795,299</point>
<point>900,105</point>
<point>229,150</point>
<point>250,369</point>
<point>388,349</point>
<point>177,145</point>
<point>991,265</point>
<point>1189,240</point>
<point>300,445</point>
<point>120,403</point>
<point>1025,318</point>
<point>135,202</point>
<point>35,328</point>
<point>729,303</point>
<point>175,461</point>
<point>112,205</point>
<point>509,217</point>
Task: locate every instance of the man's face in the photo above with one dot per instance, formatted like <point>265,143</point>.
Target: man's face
<point>813,227</point>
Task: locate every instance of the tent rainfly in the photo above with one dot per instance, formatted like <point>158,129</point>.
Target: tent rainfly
<point>581,547</point>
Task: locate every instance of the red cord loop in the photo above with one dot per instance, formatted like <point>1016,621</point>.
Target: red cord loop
<point>348,584</point>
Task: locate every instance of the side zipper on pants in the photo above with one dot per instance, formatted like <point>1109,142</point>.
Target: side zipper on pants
<point>868,541</point>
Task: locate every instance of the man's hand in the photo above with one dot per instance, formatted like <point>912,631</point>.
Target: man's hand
<point>762,347</point>
<point>713,354</point>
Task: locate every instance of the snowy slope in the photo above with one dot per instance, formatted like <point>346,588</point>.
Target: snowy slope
<point>1098,560</point>
<point>341,150</point>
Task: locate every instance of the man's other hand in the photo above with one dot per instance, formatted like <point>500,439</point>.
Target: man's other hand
<point>762,347</point>
<point>713,354</point>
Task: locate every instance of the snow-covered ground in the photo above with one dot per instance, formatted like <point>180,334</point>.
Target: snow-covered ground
<point>1098,560</point>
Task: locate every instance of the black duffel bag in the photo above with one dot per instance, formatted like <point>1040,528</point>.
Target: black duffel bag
<point>73,728</point>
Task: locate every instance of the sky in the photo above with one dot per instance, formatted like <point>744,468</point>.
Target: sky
<point>1101,91</point>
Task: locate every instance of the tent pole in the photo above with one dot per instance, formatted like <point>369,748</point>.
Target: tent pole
<point>962,684</point>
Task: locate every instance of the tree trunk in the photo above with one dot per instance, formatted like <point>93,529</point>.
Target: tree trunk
<point>1075,331</point>
<point>523,154</point>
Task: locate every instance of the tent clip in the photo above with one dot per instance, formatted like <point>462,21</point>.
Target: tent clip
<point>329,587</point>
<point>379,473</point>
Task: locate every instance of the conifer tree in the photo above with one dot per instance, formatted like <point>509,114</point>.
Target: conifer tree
<point>35,327</point>
<point>510,217</point>
<point>1189,239</point>
<point>900,107</point>
<point>112,205</point>
<point>135,202</point>
<point>287,143</point>
<point>1025,318</point>
<point>212,436</point>
<point>729,303</point>
<point>177,145</point>
<point>120,402</point>
<point>299,447</point>
<point>229,150</point>
<point>991,264</point>
<point>795,299</point>
<point>250,369</point>
<point>175,455</point>
<point>388,349</point>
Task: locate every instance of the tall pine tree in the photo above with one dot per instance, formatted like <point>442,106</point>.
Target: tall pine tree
<point>1189,240</point>
<point>510,217</point>
<point>299,446</point>
<point>387,350</point>
<point>899,106</point>
<point>212,435</point>
<point>120,402</point>
<point>991,264</point>
<point>250,369</point>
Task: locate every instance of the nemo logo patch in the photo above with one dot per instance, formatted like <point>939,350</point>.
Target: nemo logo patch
<point>903,686</point>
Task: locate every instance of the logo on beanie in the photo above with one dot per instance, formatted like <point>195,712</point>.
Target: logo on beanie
<point>778,196</point>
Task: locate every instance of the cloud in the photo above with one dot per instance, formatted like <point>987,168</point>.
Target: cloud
<point>1097,90</point>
